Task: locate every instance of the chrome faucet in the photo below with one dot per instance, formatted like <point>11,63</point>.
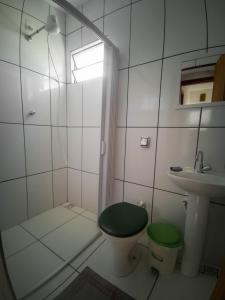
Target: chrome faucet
<point>200,159</point>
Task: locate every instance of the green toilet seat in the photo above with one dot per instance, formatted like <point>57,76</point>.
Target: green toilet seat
<point>123,219</point>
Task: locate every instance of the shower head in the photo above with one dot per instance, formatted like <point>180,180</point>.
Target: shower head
<point>51,26</point>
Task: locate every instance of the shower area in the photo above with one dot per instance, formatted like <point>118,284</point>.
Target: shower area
<point>57,112</point>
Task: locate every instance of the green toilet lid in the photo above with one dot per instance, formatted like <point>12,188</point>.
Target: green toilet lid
<point>165,234</point>
<point>123,219</point>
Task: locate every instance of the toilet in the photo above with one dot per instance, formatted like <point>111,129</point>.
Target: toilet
<point>123,224</point>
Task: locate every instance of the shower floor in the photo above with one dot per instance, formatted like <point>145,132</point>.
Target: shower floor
<point>37,247</point>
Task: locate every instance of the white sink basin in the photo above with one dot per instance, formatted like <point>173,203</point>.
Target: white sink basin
<point>205,184</point>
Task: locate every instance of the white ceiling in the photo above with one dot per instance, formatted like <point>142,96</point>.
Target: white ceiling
<point>77,2</point>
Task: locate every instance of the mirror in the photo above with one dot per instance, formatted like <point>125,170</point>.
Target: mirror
<point>203,81</point>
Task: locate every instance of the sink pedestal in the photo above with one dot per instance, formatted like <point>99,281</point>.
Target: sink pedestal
<point>194,235</point>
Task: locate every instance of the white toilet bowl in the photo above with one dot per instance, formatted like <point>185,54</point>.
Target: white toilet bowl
<point>122,224</point>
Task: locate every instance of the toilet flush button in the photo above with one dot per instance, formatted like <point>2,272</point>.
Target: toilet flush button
<point>145,142</point>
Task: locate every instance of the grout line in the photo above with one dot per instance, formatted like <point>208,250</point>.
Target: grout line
<point>83,171</point>
<point>154,284</point>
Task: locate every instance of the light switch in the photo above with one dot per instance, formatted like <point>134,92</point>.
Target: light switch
<point>145,142</point>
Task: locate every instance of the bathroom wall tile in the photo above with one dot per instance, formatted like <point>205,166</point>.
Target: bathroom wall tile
<point>176,147</point>
<point>13,204</point>
<point>119,153</point>
<point>214,246</point>
<point>72,23</point>
<point>59,147</point>
<point>73,42</point>
<point>213,117</point>
<point>92,102</point>
<point>57,57</point>
<point>74,147</point>
<point>115,4</point>
<point>140,161</point>
<point>60,186</point>
<point>90,192</point>
<point>147,31</point>
<point>117,194</point>
<point>122,98</point>
<point>12,159</point>
<point>215,13</point>
<point>9,33</point>
<point>117,28</point>
<point>38,148</point>
<point>170,115</point>
<point>143,101</point>
<point>212,143</point>
<point>133,193</point>
<point>169,208</point>
<point>74,187</point>
<point>88,35</point>
<point>61,17</point>
<point>14,3</point>
<point>189,17</point>
<point>37,9</point>
<point>39,189</point>
<point>36,97</point>
<point>58,103</point>
<point>93,9</point>
<point>10,105</point>
<point>74,103</point>
<point>91,150</point>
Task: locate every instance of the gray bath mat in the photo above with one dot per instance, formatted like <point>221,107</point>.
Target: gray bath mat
<point>90,286</point>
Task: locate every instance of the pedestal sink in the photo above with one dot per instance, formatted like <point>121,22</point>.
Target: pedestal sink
<point>200,187</point>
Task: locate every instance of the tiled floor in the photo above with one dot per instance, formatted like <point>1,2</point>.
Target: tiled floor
<point>39,246</point>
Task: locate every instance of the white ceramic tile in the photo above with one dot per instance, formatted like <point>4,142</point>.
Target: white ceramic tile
<point>37,9</point>
<point>13,204</point>
<point>9,33</point>
<point>10,105</point>
<point>185,26</point>
<point>137,284</point>
<point>139,167</point>
<point>214,247</point>
<point>88,35</point>
<point>147,31</point>
<point>119,153</point>
<point>39,188</point>
<point>14,3</point>
<point>176,147</point>
<point>74,103</point>
<point>73,42</point>
<point>72,23</point>
<point>61,18</point>
<point>60,186</point>
<point>77,209</point>
<point>117,28</point>
<point>170,93</point>
<point>92,102</point>
<point>215,14</point>
<point>57,57</point>
<point>213,117</point>
<point>37,45</point>
<point>90,185</point>
<point>134,193</point>
<point>115,4</point>
<point>93,9</point>
<point>36,97</point>
<point>68,240</point>
<point>90,215</point>
<point>38,148</point>
<point>48,221</point>
<point>143,101</point>
<point>212,143</point>
<point>12,160</point>
<point>59,147</point>
<point>15,239</point>
<point>122,98</point>
<point>74,147</point>
<point>58,103</point>
<point>74,187</point>
<point>177,286</point>
<point>169,208</point>
<point>117,193</point>
<point>91,150</point>
<point>35,263</point>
